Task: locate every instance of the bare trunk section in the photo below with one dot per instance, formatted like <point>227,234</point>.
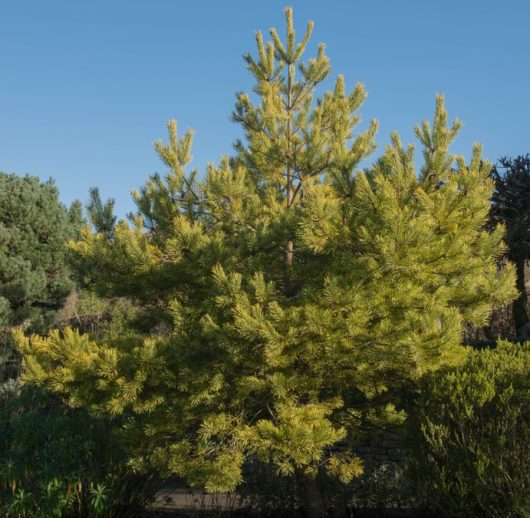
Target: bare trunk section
<point>310,495</point>
<point>519,309</point>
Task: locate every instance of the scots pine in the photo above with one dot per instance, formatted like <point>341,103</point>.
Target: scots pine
<point>303,291</point>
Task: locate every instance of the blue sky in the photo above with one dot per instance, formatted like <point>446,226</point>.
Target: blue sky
<point>86,87</point>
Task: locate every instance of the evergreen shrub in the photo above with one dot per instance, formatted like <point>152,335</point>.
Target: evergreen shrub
<point>472,453</point>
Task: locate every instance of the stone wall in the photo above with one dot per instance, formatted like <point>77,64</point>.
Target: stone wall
<point>381,449</point>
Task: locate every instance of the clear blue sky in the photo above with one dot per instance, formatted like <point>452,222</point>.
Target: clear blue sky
<point>86,87</point>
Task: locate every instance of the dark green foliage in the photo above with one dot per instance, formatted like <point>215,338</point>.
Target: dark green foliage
<point>101,214</point>
<point>268,494</point>
<point>472,453</point>
<point>380,487</point>
<point>34,227</point>
<point>76,219</point>
<point>56,461</point>
<point>511,203</point>
<point>101,217</point>
<point>511,207</point>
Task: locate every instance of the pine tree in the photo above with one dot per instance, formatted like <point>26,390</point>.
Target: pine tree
<point>303,292</point>
<point>101,214</point>
<point>34,227</point>
<point>511,207</point>
<point>76,219</point>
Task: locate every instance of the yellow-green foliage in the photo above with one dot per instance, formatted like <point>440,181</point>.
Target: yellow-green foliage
<point>303,291</point>
<point>472,451</point>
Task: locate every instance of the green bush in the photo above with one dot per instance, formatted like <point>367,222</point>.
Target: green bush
<point>61,462</point>
<point>472,453</point>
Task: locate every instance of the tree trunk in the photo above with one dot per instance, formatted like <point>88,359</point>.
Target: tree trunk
<point>309,493</point>
<point>519,310</point>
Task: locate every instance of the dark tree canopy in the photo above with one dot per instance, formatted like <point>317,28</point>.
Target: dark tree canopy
<point>511,203</point>
<point>511,207</point>
<point>34,227</point>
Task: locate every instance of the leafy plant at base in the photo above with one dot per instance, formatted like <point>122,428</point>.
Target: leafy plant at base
<point>55,461</point>
<point>303,293</point>
<point>100,501</point>
<point>21,506</point>
<point>472,450</point>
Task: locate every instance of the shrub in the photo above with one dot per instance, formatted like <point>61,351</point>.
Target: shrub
<point>472,453</point>
<point>57,461</point>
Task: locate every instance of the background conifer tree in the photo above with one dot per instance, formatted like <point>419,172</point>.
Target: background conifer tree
<point>511,207</point>
<point>303,293</point>
<point>101,214</point>
<point>76,219</point>
<point>34,226</point>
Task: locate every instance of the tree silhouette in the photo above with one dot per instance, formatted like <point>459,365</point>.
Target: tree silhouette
<point>511,207</point>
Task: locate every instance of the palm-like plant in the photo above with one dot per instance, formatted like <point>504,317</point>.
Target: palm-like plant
<point>100,500</point>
